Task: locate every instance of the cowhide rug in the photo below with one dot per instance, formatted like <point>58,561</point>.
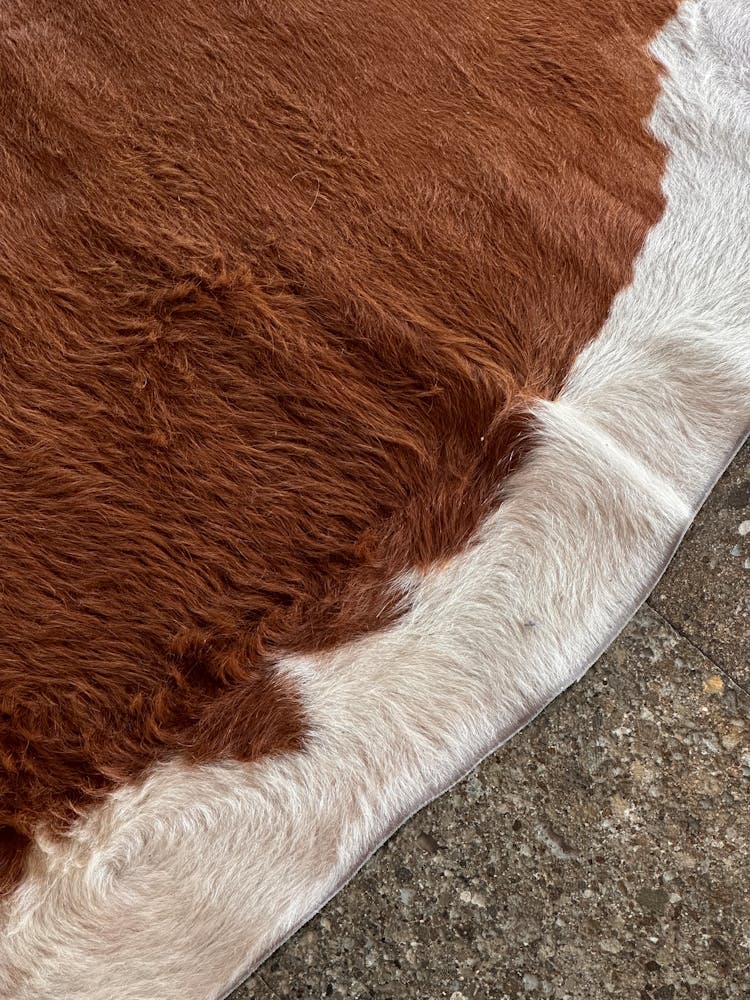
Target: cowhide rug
<point>361,364</point>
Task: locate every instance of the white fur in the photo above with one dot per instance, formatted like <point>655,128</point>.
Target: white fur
<point>173,889</point>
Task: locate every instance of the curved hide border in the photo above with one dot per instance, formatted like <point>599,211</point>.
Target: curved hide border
<point>177,887</point>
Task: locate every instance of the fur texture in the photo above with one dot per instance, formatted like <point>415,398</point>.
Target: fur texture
<point>175,886</point>
<point>279,286</point>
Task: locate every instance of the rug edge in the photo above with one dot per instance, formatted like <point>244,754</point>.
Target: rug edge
<point>507,735</point>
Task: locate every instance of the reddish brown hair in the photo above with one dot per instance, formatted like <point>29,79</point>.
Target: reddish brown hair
<point>278,282</point>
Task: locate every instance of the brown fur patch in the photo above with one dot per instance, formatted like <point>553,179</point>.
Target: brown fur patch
<point>277,284</point>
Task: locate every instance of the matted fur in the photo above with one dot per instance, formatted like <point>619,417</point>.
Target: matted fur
<point>176,885</point>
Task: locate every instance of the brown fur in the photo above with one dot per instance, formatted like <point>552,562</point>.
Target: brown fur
<point>278,281</point>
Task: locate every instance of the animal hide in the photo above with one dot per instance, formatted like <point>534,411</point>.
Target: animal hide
<point>362,364</point>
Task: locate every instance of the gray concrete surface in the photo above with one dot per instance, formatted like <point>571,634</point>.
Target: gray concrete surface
<point>604,852</point>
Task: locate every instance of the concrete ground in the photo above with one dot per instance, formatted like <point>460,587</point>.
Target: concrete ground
<point>604,852</point>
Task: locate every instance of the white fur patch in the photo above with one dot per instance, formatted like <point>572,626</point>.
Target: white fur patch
<point>173,889</point>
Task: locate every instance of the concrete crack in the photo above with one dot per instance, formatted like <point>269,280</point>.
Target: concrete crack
<point>691,642</point>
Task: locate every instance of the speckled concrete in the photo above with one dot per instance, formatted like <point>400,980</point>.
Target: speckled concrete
<point>705,593</point>
<point>604,852</point>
